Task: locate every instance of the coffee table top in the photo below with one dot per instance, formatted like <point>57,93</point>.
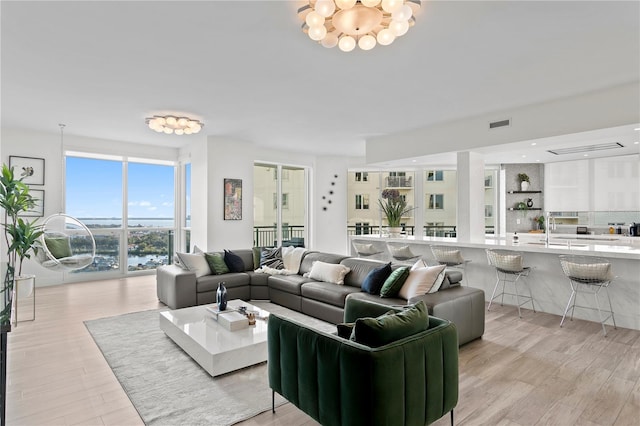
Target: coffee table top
<point>199,325</point>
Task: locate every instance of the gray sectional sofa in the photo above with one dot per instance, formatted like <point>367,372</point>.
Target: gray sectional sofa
<point>179,288</point>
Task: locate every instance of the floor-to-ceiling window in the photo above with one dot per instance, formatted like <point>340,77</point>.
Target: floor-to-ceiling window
<point>186,227</point>
<point>280,205</point>
<point>102,190</point>
<point>440,202</point>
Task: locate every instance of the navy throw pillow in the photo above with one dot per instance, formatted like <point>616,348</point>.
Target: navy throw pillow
<point>233,261</point>
<point>375,279</point>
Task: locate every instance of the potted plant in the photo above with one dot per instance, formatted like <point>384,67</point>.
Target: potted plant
<point>394,207</point>
<point>524,181</point>
<point>539,220</point>
<point>20,236</point>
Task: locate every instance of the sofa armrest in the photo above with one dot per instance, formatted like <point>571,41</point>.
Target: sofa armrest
<point>176,287</point>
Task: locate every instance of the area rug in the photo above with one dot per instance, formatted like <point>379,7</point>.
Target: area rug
<point>167,387</point>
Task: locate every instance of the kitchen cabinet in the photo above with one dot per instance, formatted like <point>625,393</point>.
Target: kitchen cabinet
<point>567,186</point>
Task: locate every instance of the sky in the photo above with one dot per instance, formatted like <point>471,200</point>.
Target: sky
<point>94,189</point>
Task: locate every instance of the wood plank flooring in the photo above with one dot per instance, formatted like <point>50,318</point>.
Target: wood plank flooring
<point>525,371</point>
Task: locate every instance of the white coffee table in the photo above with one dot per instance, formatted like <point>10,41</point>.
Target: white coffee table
<point>215,348</point>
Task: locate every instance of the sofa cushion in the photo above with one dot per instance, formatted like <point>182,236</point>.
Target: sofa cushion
<point>360,268</point>
<point>388,328</point>
<point>288,283</point>
<point>233,261</point>
<point>216,263</point>
<point>329,272</point>
<point>333,294</point>
<point>58,246</point>
<point>272,258</point>
<point>375,279</point>
<point>231,280</point>
<point>394,282</point>
<point>422,280</point>
<point>312,256</point>
<point>195,263</point>
<point>258,279</point>
<point>389,301</point>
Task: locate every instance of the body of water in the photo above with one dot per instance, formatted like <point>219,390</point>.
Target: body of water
<point>133,222</point>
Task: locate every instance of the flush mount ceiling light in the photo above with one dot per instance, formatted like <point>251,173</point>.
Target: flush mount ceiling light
<point>347,23</point>
<point>171,124</point>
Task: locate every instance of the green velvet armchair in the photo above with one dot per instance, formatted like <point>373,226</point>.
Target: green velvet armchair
<point>411,381</point>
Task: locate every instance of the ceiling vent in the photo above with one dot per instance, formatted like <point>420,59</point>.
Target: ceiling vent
<point>586,148</point>
<point>501,123</point>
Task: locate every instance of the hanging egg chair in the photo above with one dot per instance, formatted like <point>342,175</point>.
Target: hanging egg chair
<point>66,244</point>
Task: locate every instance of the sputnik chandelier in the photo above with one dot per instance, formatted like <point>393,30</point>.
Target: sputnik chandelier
<point>171,124</point>
<point>366,23</point>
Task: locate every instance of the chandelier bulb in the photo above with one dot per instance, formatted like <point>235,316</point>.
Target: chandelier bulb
<point>367,42</point>
<point>347,43</point>
<point>370,3</point>
<point>314,19</point>
<point>402,13</point>
<point>325,8</point>
<point>345,4</point>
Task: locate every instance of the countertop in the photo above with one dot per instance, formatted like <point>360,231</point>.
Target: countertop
<point>615,246</point>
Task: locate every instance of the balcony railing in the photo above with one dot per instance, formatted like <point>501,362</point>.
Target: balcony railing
<point>399,182</point>
<point>266,236</point>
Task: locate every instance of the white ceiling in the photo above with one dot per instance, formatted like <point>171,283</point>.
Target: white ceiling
<point>247,71</point>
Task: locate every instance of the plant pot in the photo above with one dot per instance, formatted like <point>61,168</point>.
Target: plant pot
<point>524,185</point>
<point>24,285</point>
<point>395,231</point>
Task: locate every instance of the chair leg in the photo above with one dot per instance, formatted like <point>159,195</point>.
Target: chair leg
<point>595,297</point>
<point>273,401</point>
<point>606,290</point>
<point>572,296</point>
<point>515,286</point>
<point>451,417</point>
<point>493,295</point>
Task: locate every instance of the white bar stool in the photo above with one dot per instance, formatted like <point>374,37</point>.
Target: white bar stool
<point>589,275</point>
<point>450,256</point>
<point>509,268</point>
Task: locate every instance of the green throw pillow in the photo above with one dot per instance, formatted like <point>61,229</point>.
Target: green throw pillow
<point>345,329</point>
<point>393,284</point>
<point>59,247</point>
<point>388,328</point>
<point>216,263</point>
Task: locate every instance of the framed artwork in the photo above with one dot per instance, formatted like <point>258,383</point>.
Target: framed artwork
<point>232,199</point>
<point>38,209</point>
<point>31,169</point>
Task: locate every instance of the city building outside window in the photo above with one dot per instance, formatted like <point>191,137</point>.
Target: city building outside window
<point>435,175</point>
<point>436,201</point>
<point>362,201</point>
<point>362,176</point>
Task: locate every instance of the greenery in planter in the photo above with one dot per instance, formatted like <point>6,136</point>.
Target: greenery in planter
<point>523,177</point>
<point>20,236</point>
<point>394,206</point>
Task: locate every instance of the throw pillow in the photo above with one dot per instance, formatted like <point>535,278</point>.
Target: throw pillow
<point>216,263</point>
<point>388,328</point>
<point>328,272</point>
<point>401,253</point>
<point>256,257</point>
<point>195,263</point>
<point>394,283</point>
<point>59,247</point>
<point>422,281</point>
<point>233,261</point>
<point>374,280</point>
<point>365,249</point>
<point>345,329</point>
<point>272,258</point>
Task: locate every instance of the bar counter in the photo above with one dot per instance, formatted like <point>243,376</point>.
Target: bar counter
<point>548,284</point>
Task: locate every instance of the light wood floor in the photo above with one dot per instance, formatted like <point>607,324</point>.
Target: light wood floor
<point>522,372</point>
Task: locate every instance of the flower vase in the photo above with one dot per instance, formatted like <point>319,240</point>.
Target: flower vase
<point>221,297</point>
<point>524,185</point>
<point>395,231</point>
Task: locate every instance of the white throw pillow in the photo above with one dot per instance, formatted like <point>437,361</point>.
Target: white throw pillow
<point>401,253</point>
<point>422,281</point>
<point>365,248</point>
<point>328,272</point>
<point>195,263</point>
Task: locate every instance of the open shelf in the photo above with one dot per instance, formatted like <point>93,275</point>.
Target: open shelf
<point>524,192</point>
<point>523,210</point>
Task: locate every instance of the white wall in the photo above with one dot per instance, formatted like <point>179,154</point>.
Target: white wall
<point>612,107</point>
<point>329,227</point>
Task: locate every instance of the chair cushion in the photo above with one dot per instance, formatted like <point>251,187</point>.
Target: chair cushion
<point>329,272</point>
<point>375,279</point>
<point>394,282</point>
<point>345,329</point>
<point>401,253</point>
<point>592,271</point>
<point>422,280</point>
<point>216,263</point>
<point>59,247</point>
<point>388,328</point>
<point>365,249</point>
<point>233,261</point>
<point>196,263</point>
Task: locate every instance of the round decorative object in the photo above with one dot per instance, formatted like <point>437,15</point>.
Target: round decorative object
<point>221,297</point>
<point>66,244</point>
<point>521,206</point>
<point>529,202</point>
